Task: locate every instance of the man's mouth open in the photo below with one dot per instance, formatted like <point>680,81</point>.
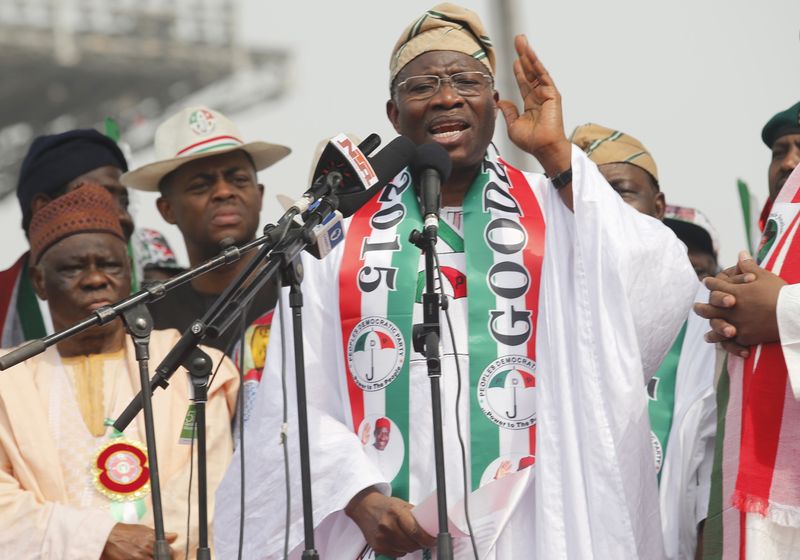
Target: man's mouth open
<point>447,131</point>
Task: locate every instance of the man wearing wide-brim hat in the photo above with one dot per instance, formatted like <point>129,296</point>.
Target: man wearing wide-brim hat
<point>206,174</point>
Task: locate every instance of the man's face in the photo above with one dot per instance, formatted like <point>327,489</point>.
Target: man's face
<point>463,125</point>
<point>80,274</point>
<point>211,199</point>
<point>381,438</point>
<point>636,187</point>
<point>785,157</point>
<point>108,177</point>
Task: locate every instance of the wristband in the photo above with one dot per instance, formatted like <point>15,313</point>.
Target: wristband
<point>562,179</point>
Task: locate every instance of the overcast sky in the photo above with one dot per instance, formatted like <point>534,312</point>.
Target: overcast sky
<point>693,80</point>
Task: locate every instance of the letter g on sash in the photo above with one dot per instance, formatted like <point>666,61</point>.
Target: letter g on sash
<point>516,316</point>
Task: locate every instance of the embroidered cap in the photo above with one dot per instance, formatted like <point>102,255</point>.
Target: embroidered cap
<point>88,209</point>
<point>604,145</point>
<point>445,27</point>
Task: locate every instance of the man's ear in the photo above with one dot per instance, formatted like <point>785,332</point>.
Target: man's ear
<point>661,205</point>
<point>36,275</point>
<point>260,193</point>
<point>394,114</point>
<point>165,209</point>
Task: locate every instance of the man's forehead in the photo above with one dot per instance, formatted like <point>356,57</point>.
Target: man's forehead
<point>626,171</point>
<point>82,245</point>
<point>432,62</point>
<point>212,164</point>
<point>786,140</point>
<point>108,175</point>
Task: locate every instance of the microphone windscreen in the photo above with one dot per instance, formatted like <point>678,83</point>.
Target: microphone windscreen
<point>387,163</point>
<point>370,144</point>
<point>431,156</point>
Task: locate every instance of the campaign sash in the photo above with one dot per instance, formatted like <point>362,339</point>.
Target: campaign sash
<point>755,467</point>
<point>504,245</point>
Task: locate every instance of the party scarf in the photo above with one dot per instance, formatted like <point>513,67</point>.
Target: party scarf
<point>756,462</point>
<point>379,279</point>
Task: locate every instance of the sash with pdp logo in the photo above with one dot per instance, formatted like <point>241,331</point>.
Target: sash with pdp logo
<point>379,285</point>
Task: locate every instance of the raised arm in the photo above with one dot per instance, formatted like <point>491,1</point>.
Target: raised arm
<point>539,129</point>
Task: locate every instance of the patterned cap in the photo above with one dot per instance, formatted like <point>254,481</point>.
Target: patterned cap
<point>604,145</point>
<point>88,209</point>
<point>445,27</point>
<point>692,227</point>
<point>383,422</point>
<point>785,122</point>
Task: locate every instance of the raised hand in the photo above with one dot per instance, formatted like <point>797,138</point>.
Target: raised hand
<point>539,129</point>
<point>365,433</point>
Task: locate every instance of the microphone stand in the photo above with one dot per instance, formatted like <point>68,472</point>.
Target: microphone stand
<point>425,337</point>
<point>216,320</point>
<point>139,324</point>
<point>293,276</point>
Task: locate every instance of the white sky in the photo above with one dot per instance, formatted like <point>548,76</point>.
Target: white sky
<point>693,80</point>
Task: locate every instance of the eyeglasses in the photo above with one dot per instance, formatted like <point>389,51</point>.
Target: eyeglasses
<point>468,84</point>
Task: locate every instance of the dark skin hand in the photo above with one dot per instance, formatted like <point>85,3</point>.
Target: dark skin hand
<point>387,523</point>
<point>742,307</point>
<point>539,129</point>
<point>133,542</point>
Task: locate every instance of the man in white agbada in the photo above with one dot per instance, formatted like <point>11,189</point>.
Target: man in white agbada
<point>681,401</point>
<point>550,379</point>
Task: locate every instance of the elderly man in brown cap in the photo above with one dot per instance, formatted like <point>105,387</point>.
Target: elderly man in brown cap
<point>542,375</point>
<point>70,485</point>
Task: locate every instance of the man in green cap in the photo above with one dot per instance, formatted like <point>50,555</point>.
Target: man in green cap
<point>781,134</point>
<point>546,393</point>
<point>753,310</point>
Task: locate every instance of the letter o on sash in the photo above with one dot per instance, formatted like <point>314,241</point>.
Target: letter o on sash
<point>387,218</point>
<point>509,228</point>
<point>514,282</point>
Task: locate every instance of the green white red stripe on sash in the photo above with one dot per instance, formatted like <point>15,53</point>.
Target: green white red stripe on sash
<point>759,468</point>
<point>504,243</point>
<point>371,290</point>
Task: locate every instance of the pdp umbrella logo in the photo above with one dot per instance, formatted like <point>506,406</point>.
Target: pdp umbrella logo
<point>507,392</point>
<point>376,351</point>
<point>201,121</point>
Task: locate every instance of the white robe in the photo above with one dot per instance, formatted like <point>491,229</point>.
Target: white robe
<point>686,474</point>
<point>616,288</point>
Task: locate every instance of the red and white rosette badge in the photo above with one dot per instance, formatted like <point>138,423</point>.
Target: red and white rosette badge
<point>121,474</point>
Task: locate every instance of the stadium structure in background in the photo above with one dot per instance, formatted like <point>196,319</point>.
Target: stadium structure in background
<point>73,63</point>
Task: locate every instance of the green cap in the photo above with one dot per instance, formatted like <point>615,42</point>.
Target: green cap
<point>785,122</point>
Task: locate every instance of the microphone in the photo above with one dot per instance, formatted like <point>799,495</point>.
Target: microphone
<point>387,163</point>
<point>430,168</point>
<point>350,162</point>
<point>339,155</point>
